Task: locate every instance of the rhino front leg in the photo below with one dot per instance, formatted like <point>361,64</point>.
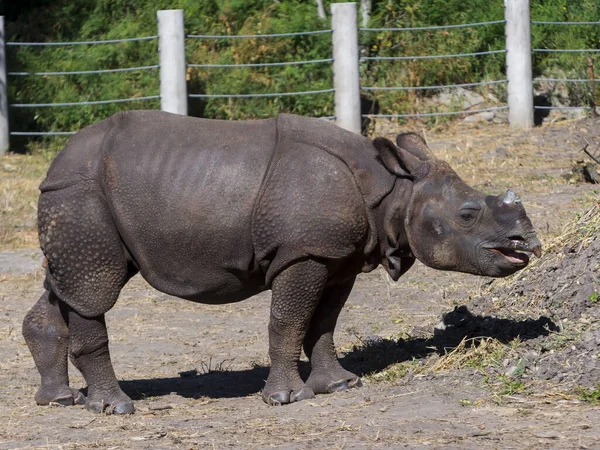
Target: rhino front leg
<point>88,347</point>
<point>47,336</point>
<point>327,375</point>
<point>296,293</point>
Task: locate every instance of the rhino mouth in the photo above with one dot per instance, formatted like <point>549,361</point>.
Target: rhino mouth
<point>520,250</point>
<point>512,256</point>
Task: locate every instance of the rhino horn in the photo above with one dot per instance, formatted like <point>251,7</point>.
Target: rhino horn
<point>510,197</point>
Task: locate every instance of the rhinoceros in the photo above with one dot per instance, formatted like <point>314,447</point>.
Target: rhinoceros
<point>217,211</point>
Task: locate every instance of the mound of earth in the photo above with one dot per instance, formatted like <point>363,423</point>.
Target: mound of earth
<point>553,306</point>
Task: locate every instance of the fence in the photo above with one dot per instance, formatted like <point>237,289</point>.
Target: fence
<point>346,64</point>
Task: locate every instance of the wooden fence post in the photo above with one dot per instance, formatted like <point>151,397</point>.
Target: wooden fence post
<point>4,131</point>
<point>345,66</point>
<point>171,47</point>
<point>518,64</point>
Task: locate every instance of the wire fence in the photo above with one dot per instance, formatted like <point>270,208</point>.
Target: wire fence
<point>565,80</point>
<point>63,44</point>
<point>258,65</point>
<point>283,64</point>
<point>366,59</point>
<point>254,36</point>
<point>79,72</point>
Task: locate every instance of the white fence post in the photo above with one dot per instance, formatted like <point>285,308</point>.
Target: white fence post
<point>171,47</point>
<point>345,66</point>
<point>4,131</point>
<point>518,64</point>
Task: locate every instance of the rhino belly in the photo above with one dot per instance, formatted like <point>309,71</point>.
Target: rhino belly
<point>184,210</point>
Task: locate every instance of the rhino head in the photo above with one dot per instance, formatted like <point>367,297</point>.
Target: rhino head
<point>451,226</point>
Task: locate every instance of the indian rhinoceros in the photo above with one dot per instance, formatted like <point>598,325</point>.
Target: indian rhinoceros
<point>217,211</point>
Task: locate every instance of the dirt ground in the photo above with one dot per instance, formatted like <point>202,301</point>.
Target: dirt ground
<point>448,360</point>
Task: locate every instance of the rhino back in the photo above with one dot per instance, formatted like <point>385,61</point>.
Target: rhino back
<point>318,199</point>
<point>182,191</point>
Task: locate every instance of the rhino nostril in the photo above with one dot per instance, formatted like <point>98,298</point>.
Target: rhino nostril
<point>516,238</point>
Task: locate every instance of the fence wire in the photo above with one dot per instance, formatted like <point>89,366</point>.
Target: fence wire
<point>51,44</point>
<point>42,133</point>
<point>84,72</point>
<point>436,27</point>
<point>537,22</point>
<point>276,94</point>
<point>98,102</point>
<point>449,113</point>
<point>286,63</point>
<point>562,50</point>
<point>562,108</point>
<point>253,36</point>
<point>416,88</point>
<point>404,58</point>
<point>562,80</point>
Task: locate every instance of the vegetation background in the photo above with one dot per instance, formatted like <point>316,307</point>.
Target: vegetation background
<point>67,20</point>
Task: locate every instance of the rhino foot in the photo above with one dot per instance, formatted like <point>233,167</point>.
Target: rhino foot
<point>62,395</point>
<point>284,397</point>
<point>110,404</point>
<point>326,383</point>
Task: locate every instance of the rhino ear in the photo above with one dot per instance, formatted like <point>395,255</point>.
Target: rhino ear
<point>415,144</point>
<point>399,161</point>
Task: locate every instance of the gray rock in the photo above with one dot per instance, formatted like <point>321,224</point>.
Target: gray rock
<point>459,97</point>
<point>486,116</point>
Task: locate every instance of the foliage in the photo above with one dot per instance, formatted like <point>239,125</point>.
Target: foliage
<point>62,20</point>
<point>590,395</point>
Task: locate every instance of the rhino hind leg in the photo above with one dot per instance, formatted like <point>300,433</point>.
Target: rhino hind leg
<point>88,348</point>
<point>327,375</point>
<point>87,267</point>
<point>295,295</point>
<point>47,336</point>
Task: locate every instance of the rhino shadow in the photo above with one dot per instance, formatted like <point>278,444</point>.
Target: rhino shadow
<point>372,356</point>
<point>219,384</point>
<point>460,324</point>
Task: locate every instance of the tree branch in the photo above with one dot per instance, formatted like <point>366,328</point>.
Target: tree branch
<point>585,150</point>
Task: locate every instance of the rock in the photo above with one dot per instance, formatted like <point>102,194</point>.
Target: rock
<point>516,369</point>
<point>548,434</point>
<point>501,152</point>
<point>458,97</point>
<point>492,98</point>
<point>486,116</point>
<point>573,114</point>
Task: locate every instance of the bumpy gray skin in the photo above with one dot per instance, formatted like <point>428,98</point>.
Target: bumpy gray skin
<point>216,211</point>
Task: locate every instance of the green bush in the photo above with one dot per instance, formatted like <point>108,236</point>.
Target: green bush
<point>62,20</point>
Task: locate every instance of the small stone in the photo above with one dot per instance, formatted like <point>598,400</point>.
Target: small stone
<point>547,434</point>
<point>486,116</point>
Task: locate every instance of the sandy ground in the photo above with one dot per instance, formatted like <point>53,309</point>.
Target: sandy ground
<point>416,395</point>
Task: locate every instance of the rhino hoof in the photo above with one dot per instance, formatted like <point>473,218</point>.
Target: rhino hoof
<point>355,383</point>
<point>337,386</point>
<point>343,385</point>
<point>62,395</point>
<point>122,407</point>
<point>284,397</point>
<point>303,394</point>
<point>277,398</point>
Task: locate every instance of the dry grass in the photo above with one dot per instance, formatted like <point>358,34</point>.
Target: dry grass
<point>576,234</point>
<point>20,176</point>
<point>476,353</point>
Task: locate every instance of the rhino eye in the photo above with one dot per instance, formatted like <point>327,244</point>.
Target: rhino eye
<point>469,211</point>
